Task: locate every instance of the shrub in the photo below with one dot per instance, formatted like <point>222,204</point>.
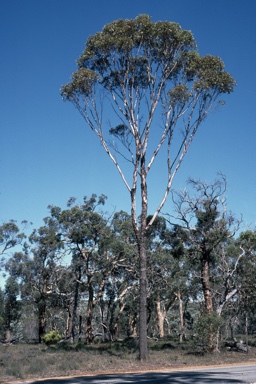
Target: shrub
<point>51,337</point>
<point>206,328</point>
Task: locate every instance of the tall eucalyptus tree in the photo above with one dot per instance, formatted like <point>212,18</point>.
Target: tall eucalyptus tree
<point>142,85</point>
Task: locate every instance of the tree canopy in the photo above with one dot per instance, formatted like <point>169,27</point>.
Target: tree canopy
<point>155,76</point>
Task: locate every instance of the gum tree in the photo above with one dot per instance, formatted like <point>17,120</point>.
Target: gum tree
<point>35,268</point>
<point>12,307</point>
<point>88,238</point>
<point>143,89</point>
<point>10,236</point>
<point>208,231</point>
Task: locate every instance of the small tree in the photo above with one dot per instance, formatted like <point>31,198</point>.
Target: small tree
<point>158,87</point>
<point>247,281</point>
<point>12,307</point>
<point>88,238</point>
<point>35,269</point>
<point>52,337</point>
<point>208,229</point>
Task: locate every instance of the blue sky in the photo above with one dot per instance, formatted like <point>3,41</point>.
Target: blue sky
<point>48,154</point>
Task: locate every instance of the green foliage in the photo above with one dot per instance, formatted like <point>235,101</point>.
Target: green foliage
<point>10,236</point>
<point>83,81</point>
<point>247,240</point>
<point>128,52</point>
<point>12,306</point>
<point>51,337</point>
<point>206,327</point>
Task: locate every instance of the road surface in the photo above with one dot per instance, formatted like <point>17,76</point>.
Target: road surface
<point>219,375</point>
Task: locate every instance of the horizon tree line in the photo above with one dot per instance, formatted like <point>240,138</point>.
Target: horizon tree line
<point>78,274</point>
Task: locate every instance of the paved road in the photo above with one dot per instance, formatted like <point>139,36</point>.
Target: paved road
<point>224,375</point>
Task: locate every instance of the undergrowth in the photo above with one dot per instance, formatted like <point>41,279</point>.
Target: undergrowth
<point>23,361</point>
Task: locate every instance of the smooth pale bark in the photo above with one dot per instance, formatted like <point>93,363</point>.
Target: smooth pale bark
<point>161,311</point>
<point>69,324</point>
<point>143,262</point>
<point>181,316</point>
<point>161,315</point>
<point>143,301</point>
<point>132,325</point>
<point>207,292</point>
<point>93,299</point>
<point>7,338</point>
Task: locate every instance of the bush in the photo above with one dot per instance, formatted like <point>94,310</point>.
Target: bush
<point>51,337</point>
<point>206,332</point>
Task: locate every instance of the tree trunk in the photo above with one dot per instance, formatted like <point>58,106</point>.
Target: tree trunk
<point>75,305</point>
<point>161,315</point>
<point>140,234</point>
<point>89,313</point>
<point>80,328</point>
<point>69,324</point>
<point>143,300</point>
<point>41,320</point>
<point>206,287</point>
<point>226,297</point>
<point>114,320</point>
<point>168,326</point>
<point>232,327</point>
<point>246,331</point>
<point>7,337</point>
<point>72,307</point>
<point>181,317</point>
<point>205,279</point>
<point>143,347</point>
<point>132,324</point>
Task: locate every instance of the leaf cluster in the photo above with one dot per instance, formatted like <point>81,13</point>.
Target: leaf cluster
<point>131,53</point>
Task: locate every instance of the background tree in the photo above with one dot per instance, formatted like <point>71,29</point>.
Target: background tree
<point>78,275</point>
<point>34,268</point>
<point>12,308</point>
<point>88,238</point>
<point>148,73</point>
<point>161,272</point>
<point>207,229</point>
<point>122,289</point>
<point>175,271</point>
<point>10,236</point>
<point>247,282</point>
<point>1,314</point>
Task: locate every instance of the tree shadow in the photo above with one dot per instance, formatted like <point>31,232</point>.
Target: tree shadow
<point>191,377</point>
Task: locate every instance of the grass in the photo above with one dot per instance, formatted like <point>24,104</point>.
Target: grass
<point>24,361</point>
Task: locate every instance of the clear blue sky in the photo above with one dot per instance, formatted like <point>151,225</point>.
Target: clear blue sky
<point>47,154</point>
